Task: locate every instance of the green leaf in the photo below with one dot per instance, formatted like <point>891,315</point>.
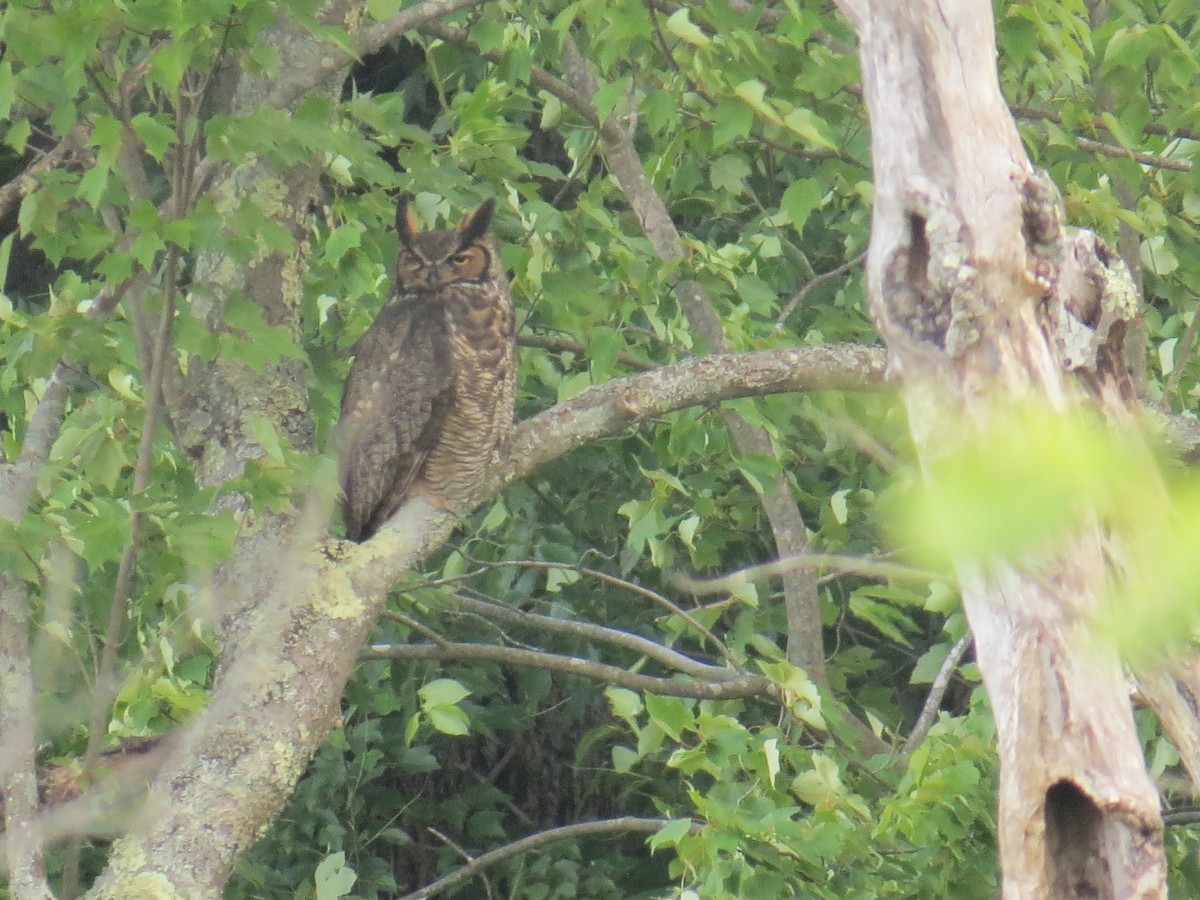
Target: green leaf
<point>623,759</point>
<point>811,128</point>
<point>448,720</point>
<point>168,62</point>
<point>800,200</point>
<point>155,136</point>
<point>573,385</point>
<point>607,98</point>
<point>333,878</point>
<point>672,714</point>
<point>771,752</point>
<point>488,34</point>
<point>626,704</point>
<point>5,254</point>
<point>263,432</point>
<point>731,121</point>
<point>670,834</point>
<point>382,10</point>
<point>604,346</point>
<point>729,173</point>
<point>753,93</point>
<point>18,134</point>
<point>6,89</point>
<point>680,24</point>
<point>887,620</point>
<point>1158,255</point>
<point>929,664</point>
<point>443,692</point>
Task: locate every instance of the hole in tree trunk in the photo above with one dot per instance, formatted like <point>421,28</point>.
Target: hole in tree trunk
<point>918,255</point>
<point>1076,863</point>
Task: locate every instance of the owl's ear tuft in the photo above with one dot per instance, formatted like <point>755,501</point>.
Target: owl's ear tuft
<point>407,223</point>
<point>475,226</point>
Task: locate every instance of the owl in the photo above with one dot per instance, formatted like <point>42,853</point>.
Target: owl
<point>429,398</point>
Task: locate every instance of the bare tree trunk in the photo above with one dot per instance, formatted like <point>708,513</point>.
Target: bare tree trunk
<point>973,281</point>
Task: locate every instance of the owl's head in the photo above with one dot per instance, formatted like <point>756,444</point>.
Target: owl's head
<point>429,260</point>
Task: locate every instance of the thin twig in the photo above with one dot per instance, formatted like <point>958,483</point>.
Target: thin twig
<point>937,691</point>
<point>1033,114</point>
<point>621,825</point>
<point>630,586</point>
<point>847,565</point>
<point>744,686</point>
<point>487,884</point>
<point>106,677</point>
<point>799,296</point>
<point>598,633</point>
<point>566,345</point>
<point>1145,159</point>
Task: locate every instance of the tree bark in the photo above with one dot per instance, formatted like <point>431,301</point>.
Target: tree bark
<point>979,292</point>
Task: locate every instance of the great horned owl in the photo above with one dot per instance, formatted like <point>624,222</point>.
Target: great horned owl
<point>429,397</point>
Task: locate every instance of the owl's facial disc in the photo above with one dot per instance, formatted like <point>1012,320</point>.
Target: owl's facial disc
<point>469,263</point>
<point>414,273</point>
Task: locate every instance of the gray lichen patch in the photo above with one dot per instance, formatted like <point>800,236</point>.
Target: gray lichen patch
<point>1087,314</point>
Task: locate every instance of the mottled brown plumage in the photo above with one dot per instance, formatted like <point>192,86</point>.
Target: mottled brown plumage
<point>429,397</point>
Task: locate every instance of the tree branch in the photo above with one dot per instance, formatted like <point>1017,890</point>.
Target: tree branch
<point>937,691</point>
<point>850,565</point>
<point>454,651</point>
<point>590,631</point>
<point>277,693</point>
<point>607,408</point>
<point>23,833</point>
<point>566,345</point>
<point>654,597</point>
<point>805,642</point>
<point>516,848</point>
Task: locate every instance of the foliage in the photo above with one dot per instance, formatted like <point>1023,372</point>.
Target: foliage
<point>750,126</point>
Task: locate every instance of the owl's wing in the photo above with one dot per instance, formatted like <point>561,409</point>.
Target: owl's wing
<point>396,398</point>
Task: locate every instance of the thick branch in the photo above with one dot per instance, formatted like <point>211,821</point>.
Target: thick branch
<point>609,407</point>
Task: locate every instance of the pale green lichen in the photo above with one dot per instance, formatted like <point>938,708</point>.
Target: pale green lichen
<point>336,596</point>
<point>126,859</point>
<point>966,306</point>
<point>146,886</point>
<point>1120,293</point>
<point>287,763</point>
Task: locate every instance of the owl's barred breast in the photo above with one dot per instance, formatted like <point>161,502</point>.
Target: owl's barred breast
<point>483,357</point>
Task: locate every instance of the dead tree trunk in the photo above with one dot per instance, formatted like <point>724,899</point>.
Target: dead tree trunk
<point>979,292</point>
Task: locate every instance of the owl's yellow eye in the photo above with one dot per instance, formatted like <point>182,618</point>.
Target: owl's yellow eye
<point>461,259</point>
